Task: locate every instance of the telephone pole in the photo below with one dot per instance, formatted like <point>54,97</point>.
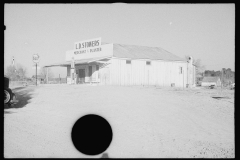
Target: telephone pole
<point>183,78</point>
<point>36,74</point>
<point>222,80</point>
<point>36,60</point>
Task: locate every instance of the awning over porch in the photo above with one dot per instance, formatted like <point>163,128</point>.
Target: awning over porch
<point>83,61</point>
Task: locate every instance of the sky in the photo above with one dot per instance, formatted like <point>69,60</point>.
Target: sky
<point>203,31</point>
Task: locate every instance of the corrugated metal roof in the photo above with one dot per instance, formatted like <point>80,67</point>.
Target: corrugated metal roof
<point>131,52</point>
<point>143,52</point>
<point>210,79</point>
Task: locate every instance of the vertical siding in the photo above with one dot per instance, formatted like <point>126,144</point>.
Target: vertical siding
<point>161,73</point>
<point>105,73</point>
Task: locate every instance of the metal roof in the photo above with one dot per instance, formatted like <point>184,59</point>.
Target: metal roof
<point>131,52</point>
<point>143,52</point>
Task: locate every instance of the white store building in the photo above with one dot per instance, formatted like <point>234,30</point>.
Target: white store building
<point>92,61</point>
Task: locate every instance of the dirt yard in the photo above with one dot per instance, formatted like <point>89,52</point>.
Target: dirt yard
<point>147,122</point>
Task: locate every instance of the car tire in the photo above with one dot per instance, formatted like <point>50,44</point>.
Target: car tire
<point>7,95</point>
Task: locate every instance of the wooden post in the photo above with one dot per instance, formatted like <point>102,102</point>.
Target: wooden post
<point>183,78</point>
<point>222,80</point>
<point>187,73</point>
<point>47,75</point>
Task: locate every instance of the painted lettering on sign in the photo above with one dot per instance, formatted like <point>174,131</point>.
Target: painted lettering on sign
<point>88,43</point>
<point>98,49</point>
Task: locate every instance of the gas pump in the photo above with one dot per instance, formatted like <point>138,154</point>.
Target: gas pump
<point>73,71</point>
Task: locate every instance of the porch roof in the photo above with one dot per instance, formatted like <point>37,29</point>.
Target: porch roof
<point>82,61</point>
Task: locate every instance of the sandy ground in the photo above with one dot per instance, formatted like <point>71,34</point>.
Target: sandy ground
<point>147,122</point>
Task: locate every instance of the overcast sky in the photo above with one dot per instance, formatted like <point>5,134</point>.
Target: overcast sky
<point>203,31</point>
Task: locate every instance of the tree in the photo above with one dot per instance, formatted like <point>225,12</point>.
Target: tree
<point>21,72</point>
<point>228,76</point>
<point>218,74</point>
<point>16,72</point>
<point>11,72</point>
<point>228,73</point>
<point>43,72</point>
<point>199,67</point>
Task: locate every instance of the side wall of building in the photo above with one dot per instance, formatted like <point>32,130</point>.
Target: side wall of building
<point>161,73</point>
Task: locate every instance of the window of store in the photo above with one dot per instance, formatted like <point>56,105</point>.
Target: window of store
<point>148,63</point>
<point>128,61</point>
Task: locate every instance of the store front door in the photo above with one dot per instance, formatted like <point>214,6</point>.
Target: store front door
<point>81,73</point>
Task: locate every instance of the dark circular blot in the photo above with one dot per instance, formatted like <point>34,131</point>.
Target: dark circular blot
<point>91,134</point>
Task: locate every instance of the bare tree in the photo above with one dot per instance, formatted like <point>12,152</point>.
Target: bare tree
<point>16,72</point>
<point>21,71</point>
<point>199,67</point>
<point>11,72</point>
<point>228,76</point>
<point>43,72</point>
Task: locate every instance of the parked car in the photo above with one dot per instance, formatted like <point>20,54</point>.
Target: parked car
<point>232,86</point>
<point>9,96</point>
<point>212,86</point>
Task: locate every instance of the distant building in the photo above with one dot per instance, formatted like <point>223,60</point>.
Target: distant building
<point>207,81</point>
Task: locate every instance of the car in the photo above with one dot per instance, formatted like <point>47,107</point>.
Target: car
<point>232,86</point>
<point>212,86</point>
<point>9,96</point>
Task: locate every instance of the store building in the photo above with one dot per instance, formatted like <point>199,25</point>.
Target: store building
<point>92,61</point>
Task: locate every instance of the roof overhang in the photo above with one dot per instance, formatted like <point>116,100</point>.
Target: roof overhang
<point>83,61</point>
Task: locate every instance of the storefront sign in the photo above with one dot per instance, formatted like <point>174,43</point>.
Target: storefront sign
<point>88,50</point>
<point>88,43</point>
<point>94,52</point>
<point>88,46</point>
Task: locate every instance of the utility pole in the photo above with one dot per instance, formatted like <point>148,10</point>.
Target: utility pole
<point>47,74</point>
<point>222,80</point>
<point>36,74</point>
<point>36,60</point>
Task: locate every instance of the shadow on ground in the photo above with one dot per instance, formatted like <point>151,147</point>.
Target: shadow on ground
<point>24,94</point>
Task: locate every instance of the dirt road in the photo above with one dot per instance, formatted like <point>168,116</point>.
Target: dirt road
<point>147,122</point>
